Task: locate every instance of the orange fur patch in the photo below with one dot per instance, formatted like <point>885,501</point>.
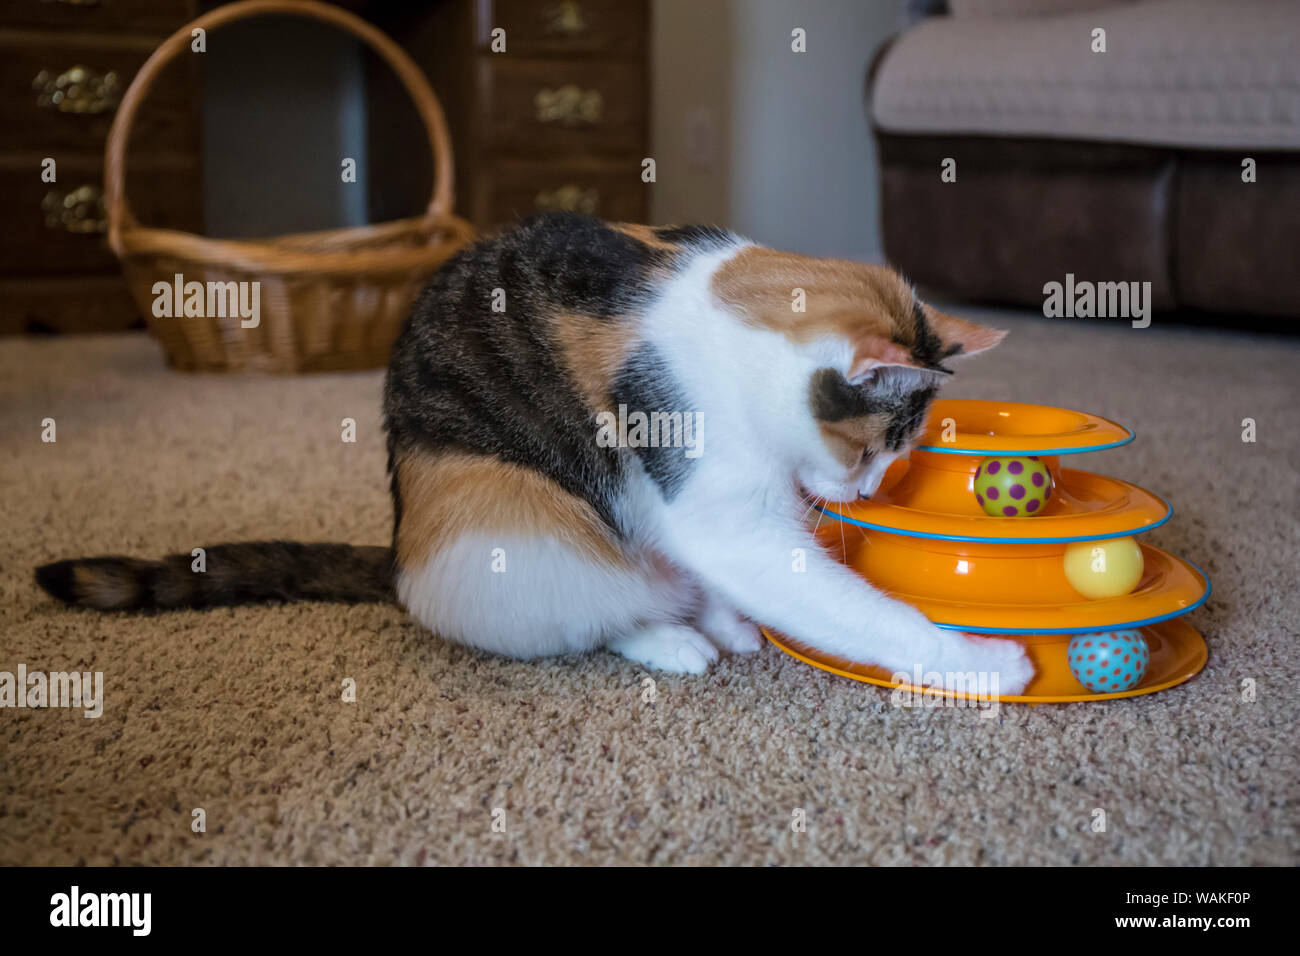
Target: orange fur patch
<point>869,306</point>
<point>841,297</point>
<point>593,350</point>
<point>643,234</point>
<point>450,494</point>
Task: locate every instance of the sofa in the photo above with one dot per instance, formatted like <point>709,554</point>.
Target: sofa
<point>1173,157</point>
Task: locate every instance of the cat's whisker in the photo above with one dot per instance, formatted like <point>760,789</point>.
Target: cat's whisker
<point>844,547</point>
<point>820,514</point>
<point>812,503</point>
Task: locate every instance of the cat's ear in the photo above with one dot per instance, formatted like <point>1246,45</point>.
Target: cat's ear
<point>874,353</point>
<point>887,364</point>
<point>961,338</point>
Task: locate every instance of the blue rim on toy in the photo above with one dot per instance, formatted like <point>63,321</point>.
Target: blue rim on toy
<point>971,539</point>
<point>1011,453</point>
<point>1205,596</point>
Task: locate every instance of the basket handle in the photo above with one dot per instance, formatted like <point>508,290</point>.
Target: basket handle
<point>426,102</point>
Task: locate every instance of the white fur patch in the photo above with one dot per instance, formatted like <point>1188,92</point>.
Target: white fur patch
<point>531,596</point>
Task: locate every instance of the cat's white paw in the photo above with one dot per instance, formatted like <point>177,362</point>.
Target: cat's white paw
<point>728,630</point>
<point>667,647</point>
<point>1003,657</point>
<point>951,659</point>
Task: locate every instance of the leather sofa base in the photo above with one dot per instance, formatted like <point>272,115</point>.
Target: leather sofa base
<point>1026,212</point>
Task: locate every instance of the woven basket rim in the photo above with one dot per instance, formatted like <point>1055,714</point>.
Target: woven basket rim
<point>270,255</point>
<point>122,221</point>
<point>336,298</point>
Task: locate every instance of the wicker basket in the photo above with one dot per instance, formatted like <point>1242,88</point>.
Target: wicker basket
<point>328,300</point>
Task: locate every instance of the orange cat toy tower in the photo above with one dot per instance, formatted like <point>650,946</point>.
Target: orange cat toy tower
<point>925,538</point>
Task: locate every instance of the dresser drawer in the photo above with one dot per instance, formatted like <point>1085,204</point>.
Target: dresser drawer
<point>576,108</point>
<point>58,228</point>
<point>609,189</point>
<point>59,95</point>
<point>158,17</point>
<point>67,304</point>
<point>565,26</point>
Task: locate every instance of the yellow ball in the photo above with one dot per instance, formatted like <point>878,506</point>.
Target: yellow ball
<point>1103,569</point>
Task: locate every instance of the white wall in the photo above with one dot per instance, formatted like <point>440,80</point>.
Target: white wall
<point>793,164</point>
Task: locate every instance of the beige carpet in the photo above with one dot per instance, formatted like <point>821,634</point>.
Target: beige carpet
<point>238,712</point>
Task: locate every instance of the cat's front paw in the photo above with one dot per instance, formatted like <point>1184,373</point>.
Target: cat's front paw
<point>950,659</point>
<point>667,647</point>
<point>727,629</point>
<point>966,663</point>
<point>1005,658</point>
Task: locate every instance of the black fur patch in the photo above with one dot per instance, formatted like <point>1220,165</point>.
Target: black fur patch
<point>927,348</point>
<point>835,399</point>
<point>466,377</point>
<point>908,417</point>
<point>56,580</point>
<point>235,574</point>
<point>572,262</point>
<point>646,385</point>
<point>394,489</point>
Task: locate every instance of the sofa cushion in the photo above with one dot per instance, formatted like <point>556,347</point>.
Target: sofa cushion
<point>1188,73</point>
<point>1235,243</point>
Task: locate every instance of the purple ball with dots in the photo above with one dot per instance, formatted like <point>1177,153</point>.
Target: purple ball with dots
<point>1013,487</point>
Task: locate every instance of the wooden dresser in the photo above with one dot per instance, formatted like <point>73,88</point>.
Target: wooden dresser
<point>559,120</point>
<point>64,65</point>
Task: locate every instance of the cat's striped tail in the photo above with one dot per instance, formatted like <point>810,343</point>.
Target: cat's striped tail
<point>225,574</point>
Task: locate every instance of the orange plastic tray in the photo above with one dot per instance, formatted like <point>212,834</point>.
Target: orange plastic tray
<point>1013,428</point>
<point>924,539</point>
<point>930,498</point>
<point>1178,653</point>
<point>1016,588</point>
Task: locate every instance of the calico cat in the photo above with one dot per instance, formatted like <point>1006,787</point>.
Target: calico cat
<point>533,515</point>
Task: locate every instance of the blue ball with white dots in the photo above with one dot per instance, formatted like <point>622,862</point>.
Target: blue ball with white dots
<point>1109,661</point>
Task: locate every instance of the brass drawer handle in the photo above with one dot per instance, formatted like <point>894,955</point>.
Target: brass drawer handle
<point>569,105</point>
<point>569,198</point>
<point>566,17</point>
<point>79,3</point>
<point>78,90</point>
<point>79,211</point>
